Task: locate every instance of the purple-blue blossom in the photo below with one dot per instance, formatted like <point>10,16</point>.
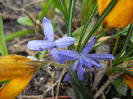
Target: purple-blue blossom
<point>51,44</point>
<point>85,59</point>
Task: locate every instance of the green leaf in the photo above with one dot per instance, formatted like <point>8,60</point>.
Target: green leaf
<point>131,38</point>
<point>11,36</point>
<point>57,4</point>
<point>124,70</point>
<point>3,47</point>
<point>125,34</point>
<point>24,21</point>
<point>64,10</point>
<point>4,81</point>
<point>120,86</point>
<point>86,8</point>
<point>97,24</point>
<point>71,13</point>
<point>41,55</point>
<point>89,17</point>
<point>45,7</point>
<point>123,53</point>
<point>130,31</point>
<point>80,90</point>
<point>77,33</point>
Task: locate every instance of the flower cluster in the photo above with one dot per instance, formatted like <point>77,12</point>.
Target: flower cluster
<point>49,43</point>
<point>61,55</point>
<point>88,60</point>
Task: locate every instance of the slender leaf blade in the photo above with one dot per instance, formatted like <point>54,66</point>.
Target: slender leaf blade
<point>3,47</point>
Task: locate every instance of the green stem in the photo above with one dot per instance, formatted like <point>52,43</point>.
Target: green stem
<point>115,46</point>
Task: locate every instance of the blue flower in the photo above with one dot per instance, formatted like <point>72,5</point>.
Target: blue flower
<point>86,59</point>
<point>50,43</point>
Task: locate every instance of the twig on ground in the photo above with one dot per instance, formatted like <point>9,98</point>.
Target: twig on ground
<point>48,89</point>
<point>106,84</point>
<point>41,97</point>
<point>20,9</point>
<point>58,87</point>
<point>52,81</point>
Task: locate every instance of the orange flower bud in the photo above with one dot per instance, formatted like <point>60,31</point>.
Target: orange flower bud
<point>128,80</point>
<point>19,70</point>
<point>120,16</point>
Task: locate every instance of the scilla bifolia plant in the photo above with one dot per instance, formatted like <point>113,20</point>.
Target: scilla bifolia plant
<point>77,57</point>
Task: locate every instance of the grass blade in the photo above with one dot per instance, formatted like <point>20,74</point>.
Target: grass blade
<point>80,90</point>
<point>86,26</point>
<point>45,8</point>
<point>3,47</point>
<point>64,11</point>
<point>100,19</point>
<point>71,13</point>
<point>11,36</point>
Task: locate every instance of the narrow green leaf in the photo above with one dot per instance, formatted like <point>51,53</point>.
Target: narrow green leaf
<point>86,7</point>
<point>131,38</point>
<point>121,69</point>
<point>71,13</point>
<point>77,33</point>
<point>86,25</point>
<point>100,19</point>
<point>80,90</point>
<point>112,36</point>
<point>4,81</point>
<point>3,47</point>
<point>11,36</point>
<point>57,4</point>
<point>64,11</point>
<point>123,53</point>
<point>130,31</point>
<point>45,7</point>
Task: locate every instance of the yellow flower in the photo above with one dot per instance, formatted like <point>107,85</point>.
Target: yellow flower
<point>120,16</point>
<point>19,70</point>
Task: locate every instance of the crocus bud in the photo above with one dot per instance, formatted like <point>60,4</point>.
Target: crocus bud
<point>128,80</point>
<point>120,16</point>
<point>19,70</point>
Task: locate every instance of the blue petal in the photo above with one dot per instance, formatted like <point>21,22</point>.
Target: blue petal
<point>39,45</point>
<point>64,42</point>
<point>68,55</point>
<point>81,72</point>
<point>48,29</point>
<point>74,67</point>
<point>89,46</point>
<point>91,61</point>
<point>54,53</point>
<point>100,56</point>
<point>85,62</point>
<point>66,78</point>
